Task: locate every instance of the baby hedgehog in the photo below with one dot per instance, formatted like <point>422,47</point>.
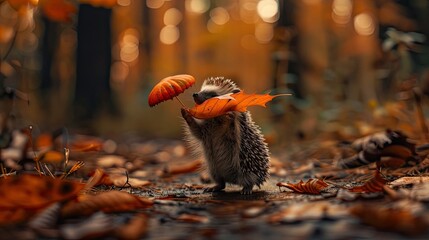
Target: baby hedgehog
<point>233,146</point>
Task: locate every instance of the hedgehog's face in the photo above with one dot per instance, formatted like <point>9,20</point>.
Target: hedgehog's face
<point>214,87</point>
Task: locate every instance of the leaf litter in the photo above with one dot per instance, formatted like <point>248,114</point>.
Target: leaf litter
<point>155,189</point>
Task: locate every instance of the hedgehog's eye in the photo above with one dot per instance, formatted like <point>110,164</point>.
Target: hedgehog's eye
<point>213,95</point>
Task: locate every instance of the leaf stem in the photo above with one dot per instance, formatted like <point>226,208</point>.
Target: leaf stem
<point>178,99</point>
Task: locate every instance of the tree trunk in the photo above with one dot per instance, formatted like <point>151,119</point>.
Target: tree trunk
<point>93,92</point>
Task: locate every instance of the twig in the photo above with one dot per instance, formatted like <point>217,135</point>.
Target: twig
<point>36,158</point>
<point>49,171</point>
<point>15,33</point>
<point>126,182</point>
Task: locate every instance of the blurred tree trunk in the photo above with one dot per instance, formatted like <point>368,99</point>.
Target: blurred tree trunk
<point>51,36</point>
<point>93,93</point>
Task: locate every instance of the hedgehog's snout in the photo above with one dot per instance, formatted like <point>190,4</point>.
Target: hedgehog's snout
<point>198,99</point>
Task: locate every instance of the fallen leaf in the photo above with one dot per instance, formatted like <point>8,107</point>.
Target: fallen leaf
<point>52,156</point>
<point>220,105</point>
<point>35,192</point>
<point>112,201</point>
<point>192,218</point>
<point>387,219</point>
<point>409,180</point>
<point>109,161</point>
<point>86,145</point>
<point>375,184</point>
<point>136,228</point>
<point>173,169</point>
<point>312,186</point>
<point>308,211</point>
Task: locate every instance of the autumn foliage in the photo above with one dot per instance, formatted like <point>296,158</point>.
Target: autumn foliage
<point>312,186</point>
<point>240,101</point>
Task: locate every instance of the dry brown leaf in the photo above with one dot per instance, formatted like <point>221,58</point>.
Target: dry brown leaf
<point>409,180</point>
<point>375,184</point>
<point>190,167</point>
<point>52,156</point>
<point>308,211</point>
<point>86,145</point>
<point>312,186</point>
<point>136,228</point>
<point>112,201</point>
<point>218,106</point>
<point>124,181</point>
<point>396,220</point>
<point>192,218</point>
<point>35,192</point>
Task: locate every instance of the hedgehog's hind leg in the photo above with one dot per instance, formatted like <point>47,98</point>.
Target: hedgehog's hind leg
<point>247,190</point>
<point>217,188</point>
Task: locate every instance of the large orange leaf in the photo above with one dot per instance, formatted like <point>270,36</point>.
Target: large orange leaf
<point>58,10</point>
<point>35,192</point>
<point>112,201</point>
<point>220,105</point>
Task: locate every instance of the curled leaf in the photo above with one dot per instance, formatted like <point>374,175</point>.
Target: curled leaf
<point>220,105</point>
<point>112,201</point>
<point>312,186</point>
<point>375,184</point>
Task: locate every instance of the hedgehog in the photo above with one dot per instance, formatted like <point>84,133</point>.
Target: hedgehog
<point>233,146</point>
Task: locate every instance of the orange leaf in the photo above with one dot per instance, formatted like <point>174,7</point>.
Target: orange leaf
<point>18,4</point>
<point>220,105</point>
<point>35,192</point>
<point>312,186</point>
<point>58,10</point>
<point>397,220</point>
<point>112,201</point>
<point>375,184</point>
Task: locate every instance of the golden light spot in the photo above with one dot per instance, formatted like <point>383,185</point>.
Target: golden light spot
<point>364,24</point>
<point>169,34</point>
<point>219,15</point>
<point>172,16</point>
<point>268,10</point>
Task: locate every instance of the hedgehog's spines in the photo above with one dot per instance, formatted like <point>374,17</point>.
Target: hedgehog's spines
<point>232,144</point>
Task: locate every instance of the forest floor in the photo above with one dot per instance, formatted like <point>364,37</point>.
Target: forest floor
<point>156,192</point>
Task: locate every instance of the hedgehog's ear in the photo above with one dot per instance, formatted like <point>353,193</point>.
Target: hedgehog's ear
<point>236,90</point>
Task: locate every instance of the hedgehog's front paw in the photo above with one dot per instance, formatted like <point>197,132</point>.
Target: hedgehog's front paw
<point>217,188</point>
<point>246,190</point>
<point>186,115</point>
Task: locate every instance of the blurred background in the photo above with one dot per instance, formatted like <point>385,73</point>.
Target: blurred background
<point>351,65</point>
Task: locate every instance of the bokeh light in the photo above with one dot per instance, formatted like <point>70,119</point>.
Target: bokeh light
<point>154,4</point>
<point>219,15</point>
<point>268,10</point>
<point>169,34</point>
<point>264,32</point>
<point>364,24</point>
<point>119,71</point>
<point>197,6</point>
<point>124,3</point>
<point>172,16</point>
<point>342,11</point>
<point>129,46</point>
